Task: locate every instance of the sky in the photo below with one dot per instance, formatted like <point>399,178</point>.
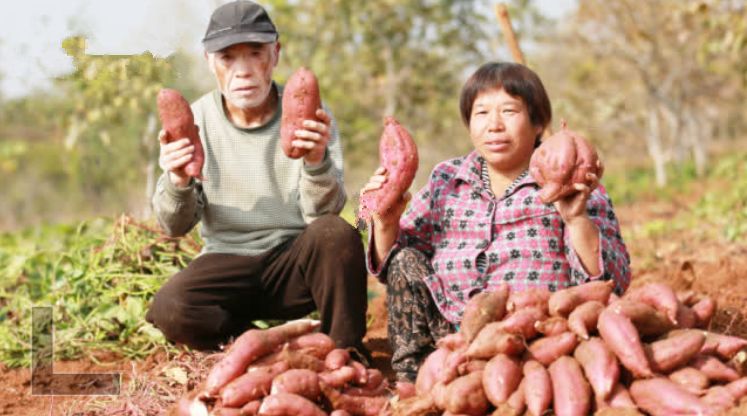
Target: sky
<point>31,32</point>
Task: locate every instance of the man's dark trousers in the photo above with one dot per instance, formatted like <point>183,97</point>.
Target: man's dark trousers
<point>218,295</point>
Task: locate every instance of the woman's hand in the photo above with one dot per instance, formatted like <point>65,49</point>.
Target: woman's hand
<point>384,225</point>
<point>573,206</point>
<point>392,215</point>
<point>584,234</point>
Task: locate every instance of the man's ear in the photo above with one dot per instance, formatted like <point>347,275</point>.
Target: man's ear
<point>278,47</point>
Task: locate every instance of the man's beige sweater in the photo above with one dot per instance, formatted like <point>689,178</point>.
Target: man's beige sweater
<point>253,197</point>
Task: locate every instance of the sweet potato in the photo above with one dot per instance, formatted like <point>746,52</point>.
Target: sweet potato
<point>621,336</point>
<point>252,345</point>
<point>739,362</point>
<point>690,379</point>
<point>620,398</point>
<point>251,408</point>
<point>662,397</point>
<point>553,325</point>
<point>340,377</point>
<point>660,296</point>
<point>491,341</point>
<point>686,318</point>
<point>571,391</point>
<point>562,160</point>
<point>453,341</point>
<point>226,411</point>
<point>537,387</point>
<point>254,384</point>
<point>336,359</point>
<point>718,398</point>
<point>415,406</point>
<point>563,302</point>
<point>300,102</point>
<point>380,390</point>
<point>361,374</point>
<point>465,395</point>
<point>316,344</point>
<point>673,352</point>
<point>283,404</point>
<point>688,297</point>
<point>647,321</point>
<point>704,311</point>
<point>450,369</point>
<point>398,154</point>
<point>726,346</point>
<point>713,368</point>
<point>548,349</point>
<point>600,366</point>
<point>584,318</point>
<point>355,405</point>
<point>738,388</point>
<point>179,122</point>
<point>500,378</point>
<point>482,309</point>
<point>535,297</point>
<point>405,389</point>
<point>522,322</point>
<point>296,381</point>
<point>516,403</point>
<point>430,370</point>
<point>472,366</point>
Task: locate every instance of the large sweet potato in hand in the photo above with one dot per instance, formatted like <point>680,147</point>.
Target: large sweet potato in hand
<point>399,156</point>
<point>179,122</point>
<point>300,102</point>
<point>562,160</point>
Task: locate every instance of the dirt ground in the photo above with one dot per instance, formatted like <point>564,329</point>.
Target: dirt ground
<point>684,260</point>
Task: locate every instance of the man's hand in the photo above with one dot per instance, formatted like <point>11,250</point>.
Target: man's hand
<point>174,156</point>
<point>314,137</point>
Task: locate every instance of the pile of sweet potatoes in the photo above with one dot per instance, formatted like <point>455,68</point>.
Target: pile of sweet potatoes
<point>579,351</point>
<point>288,370</point>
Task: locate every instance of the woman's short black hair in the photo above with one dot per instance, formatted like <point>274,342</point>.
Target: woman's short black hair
<point>515,79</point>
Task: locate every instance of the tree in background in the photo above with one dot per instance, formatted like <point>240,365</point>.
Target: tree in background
<point>405,58</point>
<point>111,121</point>
<point>661,71</point>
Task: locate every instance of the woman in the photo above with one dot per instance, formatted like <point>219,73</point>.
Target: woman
<point>479,222</point>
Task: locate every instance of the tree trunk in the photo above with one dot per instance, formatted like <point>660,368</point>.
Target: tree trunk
<point>149,143</point>
<point>699,136</point>
<point>390,100</point>
<point>654,145</point>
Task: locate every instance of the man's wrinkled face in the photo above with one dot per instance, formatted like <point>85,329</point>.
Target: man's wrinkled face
<point>244,72</point>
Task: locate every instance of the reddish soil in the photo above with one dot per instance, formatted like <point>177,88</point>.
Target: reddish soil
<point>686,260</point>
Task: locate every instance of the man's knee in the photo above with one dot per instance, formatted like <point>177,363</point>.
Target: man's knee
<point>336,236</point>
<point>182,321</point>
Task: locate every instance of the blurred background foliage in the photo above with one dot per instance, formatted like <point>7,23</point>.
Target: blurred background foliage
<point>658,86</point>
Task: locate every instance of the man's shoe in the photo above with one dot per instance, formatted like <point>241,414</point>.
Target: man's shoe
<point>361,354</point>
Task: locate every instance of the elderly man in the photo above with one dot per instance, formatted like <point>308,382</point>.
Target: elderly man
<point>275,247</point>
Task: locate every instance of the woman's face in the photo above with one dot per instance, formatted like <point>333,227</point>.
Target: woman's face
<point>501,131</point>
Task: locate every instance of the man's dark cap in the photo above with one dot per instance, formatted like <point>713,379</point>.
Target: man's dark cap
<point>238,22</point>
